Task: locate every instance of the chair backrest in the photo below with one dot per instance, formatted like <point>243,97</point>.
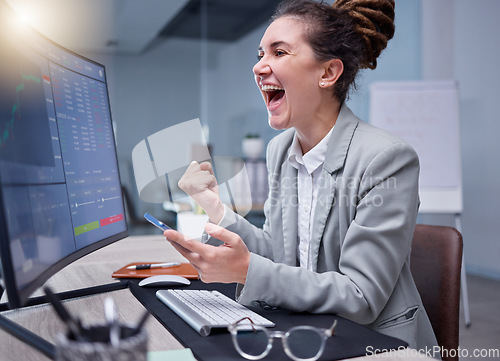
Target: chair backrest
<point>436,260</point>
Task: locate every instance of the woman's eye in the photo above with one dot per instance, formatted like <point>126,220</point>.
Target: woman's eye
<point>276,53</point>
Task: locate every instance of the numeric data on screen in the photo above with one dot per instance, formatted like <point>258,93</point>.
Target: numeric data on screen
<point>86,139</point>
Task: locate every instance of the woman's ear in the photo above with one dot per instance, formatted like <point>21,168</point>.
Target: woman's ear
<point>333,69</point>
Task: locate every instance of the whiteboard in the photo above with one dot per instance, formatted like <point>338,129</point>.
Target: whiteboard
<point>426,115</point>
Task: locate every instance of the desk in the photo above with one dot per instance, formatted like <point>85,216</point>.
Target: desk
<point>96,269</point>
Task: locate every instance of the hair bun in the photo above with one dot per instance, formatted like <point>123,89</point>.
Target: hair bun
<point>374,21</point>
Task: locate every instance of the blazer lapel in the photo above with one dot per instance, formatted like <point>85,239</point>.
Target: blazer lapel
<point>289,203</point>
<point>324,203</point>
<point>336,154</point>
<point>340,140</point>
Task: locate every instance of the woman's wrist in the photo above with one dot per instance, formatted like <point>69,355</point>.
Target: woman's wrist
<point>246,266</point>
<point>217,213</point>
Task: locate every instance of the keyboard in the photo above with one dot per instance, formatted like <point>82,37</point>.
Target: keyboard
<point>204,310</point>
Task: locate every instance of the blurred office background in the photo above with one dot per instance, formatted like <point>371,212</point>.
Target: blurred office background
<point>169,61</point>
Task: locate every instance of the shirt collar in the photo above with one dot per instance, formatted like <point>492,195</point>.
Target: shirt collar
<point>313,159</point>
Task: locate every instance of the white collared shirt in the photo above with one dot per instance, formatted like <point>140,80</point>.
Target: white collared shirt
<point>309,168</point>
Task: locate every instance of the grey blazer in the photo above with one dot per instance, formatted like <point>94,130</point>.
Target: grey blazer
<point>364,220</point>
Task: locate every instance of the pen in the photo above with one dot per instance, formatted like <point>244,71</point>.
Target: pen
<point>111,318</point>
<point>73,324</point>
<point>154,265</point>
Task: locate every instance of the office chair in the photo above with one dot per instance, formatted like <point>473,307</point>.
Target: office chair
<point>435,263</point>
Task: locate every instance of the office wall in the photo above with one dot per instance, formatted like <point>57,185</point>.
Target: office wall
<point>476,50</point>
<point>466,49</point>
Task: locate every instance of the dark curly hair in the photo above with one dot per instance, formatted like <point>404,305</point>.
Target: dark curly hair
<point>354,31</point>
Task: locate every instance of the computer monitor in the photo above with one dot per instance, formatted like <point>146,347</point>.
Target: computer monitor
<point>60,195</point>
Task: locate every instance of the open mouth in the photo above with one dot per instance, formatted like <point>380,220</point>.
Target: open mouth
<point>273,94</point>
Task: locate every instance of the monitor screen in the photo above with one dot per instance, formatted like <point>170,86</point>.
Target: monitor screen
<point>60,187</point>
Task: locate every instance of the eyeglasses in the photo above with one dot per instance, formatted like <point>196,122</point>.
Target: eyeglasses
<point>301,343</point>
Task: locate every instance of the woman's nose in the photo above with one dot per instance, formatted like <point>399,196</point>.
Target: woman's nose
<point>261,68</point>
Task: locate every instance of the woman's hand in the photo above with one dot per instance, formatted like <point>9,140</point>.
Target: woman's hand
<point>227,263</point>
<point>200,184</point>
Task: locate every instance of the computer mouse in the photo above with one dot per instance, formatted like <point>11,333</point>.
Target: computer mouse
<point>164,280</point>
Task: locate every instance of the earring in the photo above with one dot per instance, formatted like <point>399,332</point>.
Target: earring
<point>322,83</point>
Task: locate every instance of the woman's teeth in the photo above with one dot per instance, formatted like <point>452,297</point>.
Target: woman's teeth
<point>271,88</point>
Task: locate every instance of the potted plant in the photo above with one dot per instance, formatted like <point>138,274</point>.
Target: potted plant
<point>252,146</point>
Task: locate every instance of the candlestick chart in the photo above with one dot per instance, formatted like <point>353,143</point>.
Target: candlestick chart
<point>22,102</point>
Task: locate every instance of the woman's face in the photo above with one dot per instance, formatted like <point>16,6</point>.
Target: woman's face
<point>288,75</point>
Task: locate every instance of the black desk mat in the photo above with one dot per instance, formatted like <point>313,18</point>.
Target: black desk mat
<point>350,340</point>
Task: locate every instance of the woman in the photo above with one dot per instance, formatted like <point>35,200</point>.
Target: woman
<point>343,195</point>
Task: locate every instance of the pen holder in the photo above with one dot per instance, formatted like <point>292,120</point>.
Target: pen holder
<point>94,345</point>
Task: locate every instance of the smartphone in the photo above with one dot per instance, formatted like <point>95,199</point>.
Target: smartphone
<point>155,222</point>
